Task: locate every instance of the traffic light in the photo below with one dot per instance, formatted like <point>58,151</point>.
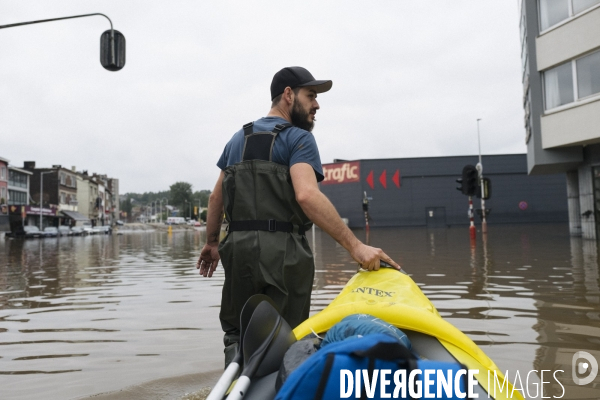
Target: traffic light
<point>460,188</point>
<point>485,190</point>
<point>468,181</point>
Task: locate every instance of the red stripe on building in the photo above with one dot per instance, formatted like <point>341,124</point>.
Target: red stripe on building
<point>396,178</point>
<point>370,180</point>
<point>382,179</point>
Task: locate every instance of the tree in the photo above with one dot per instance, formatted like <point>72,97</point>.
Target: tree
<point>182,196</point>
<point>126,207</point>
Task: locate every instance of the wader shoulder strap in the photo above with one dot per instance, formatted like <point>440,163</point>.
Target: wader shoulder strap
<point>259,145</point>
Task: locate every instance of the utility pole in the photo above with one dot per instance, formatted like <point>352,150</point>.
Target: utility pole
<point>468,187</point>
<point>365,207</point>
<point>481,184</point>
<point>42,195</point>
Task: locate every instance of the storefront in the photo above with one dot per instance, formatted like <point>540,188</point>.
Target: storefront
<point>30,215</point>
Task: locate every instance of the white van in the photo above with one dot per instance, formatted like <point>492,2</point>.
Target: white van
<point>175,221</point>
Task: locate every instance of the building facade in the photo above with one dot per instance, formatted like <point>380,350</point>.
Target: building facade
<point>54,189</point>
<point>18,197</point>
<point>87,193</point>
<point>561,84</point>
<point>4,222</point>
<point>422,191</point>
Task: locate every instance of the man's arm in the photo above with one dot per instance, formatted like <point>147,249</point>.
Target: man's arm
<point>209,256</point>
<point>319,209</point>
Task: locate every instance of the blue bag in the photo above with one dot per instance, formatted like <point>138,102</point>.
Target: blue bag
<point>371,366</point>
<point>361,325</point>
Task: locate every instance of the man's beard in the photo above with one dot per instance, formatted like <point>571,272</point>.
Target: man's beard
<point>299,117</point>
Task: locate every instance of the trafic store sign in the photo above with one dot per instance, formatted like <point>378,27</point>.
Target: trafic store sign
<point>341,173</point>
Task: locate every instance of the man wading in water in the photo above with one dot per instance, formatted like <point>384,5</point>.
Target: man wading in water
<point>269,193</point>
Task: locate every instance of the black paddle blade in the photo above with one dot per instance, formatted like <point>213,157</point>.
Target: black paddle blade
<point>249,308</point>
<point>267,339</point>
<point>280,344</point>
<point>260,332</point>
<point>245,317</point>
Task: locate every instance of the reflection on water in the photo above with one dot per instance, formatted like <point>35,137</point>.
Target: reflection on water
<point>95,314</point>
<point>85,315</point>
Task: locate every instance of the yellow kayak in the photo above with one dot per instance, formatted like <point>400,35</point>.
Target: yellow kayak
<point>394,297</point>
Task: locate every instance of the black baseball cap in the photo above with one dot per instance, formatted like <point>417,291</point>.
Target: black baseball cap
<point>295,77</point>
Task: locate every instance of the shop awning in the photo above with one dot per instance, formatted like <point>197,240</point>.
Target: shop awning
<point>75,215</point>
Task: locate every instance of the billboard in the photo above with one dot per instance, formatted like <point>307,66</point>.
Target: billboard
<point>337,173</point>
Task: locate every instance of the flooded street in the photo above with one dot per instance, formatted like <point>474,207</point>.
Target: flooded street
<point>127,315</point>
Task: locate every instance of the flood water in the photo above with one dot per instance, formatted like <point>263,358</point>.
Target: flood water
<point>128,316</point>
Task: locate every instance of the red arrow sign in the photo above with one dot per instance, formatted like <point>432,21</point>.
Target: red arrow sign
<point>396,178</point>
<point>382,180</point>
<point>370,179</point>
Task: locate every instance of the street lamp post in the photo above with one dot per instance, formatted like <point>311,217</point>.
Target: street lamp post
<point>42,194</point>
<point>166,208</point>
<point>480,170</point>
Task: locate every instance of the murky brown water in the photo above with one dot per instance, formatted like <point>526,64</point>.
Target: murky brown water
<point>129,315</point>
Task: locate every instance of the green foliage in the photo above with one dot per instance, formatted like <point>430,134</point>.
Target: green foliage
<point>182,197</point>
<point>126,206</point>
<point>148,197</point>
<point>177,195</point>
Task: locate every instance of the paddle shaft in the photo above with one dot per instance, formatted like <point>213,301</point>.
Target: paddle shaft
<point>224,382</point>
<point>240,388</point>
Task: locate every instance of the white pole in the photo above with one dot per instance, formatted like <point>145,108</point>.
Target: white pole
<point>41,196</point>
<point>484,222</point>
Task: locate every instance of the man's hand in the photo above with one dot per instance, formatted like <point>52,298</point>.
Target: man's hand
<point>368,257</point>
<point>209,259</point>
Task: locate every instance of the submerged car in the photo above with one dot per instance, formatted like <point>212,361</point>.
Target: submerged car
<point>76,231</point>
<point>87,228</point>
<point>50,231</point>
<point>32,231</point>
<point>64,230</point>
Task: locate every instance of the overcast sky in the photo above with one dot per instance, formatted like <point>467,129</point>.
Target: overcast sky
<point>410,78</point>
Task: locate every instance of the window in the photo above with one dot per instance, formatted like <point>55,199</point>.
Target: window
<point>3,194</point>
<point>63,199</point>
<point>558,84</point>
<point>588,75</point>
<point>554,11</point>
<point>572,81</point>
<point>17,179</point>
<point>63,179</point>
<point>3,173</point>
<point>16,197</point>
<point>582,5</point>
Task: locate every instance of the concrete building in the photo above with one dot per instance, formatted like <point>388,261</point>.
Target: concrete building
<point>422,191</point>
<point>59,194</point>
<point>18,186</point>
<point>561,97</point>
<point>108,194</point>
<point>4,223</point>
<point>87,193</point>
<point>18,197</point>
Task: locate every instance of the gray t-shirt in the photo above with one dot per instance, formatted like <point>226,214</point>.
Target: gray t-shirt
<point>292,146</point>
